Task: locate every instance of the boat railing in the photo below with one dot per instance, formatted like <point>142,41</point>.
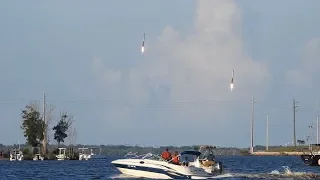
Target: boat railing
<point>135,155</point>
<point>131,154</point>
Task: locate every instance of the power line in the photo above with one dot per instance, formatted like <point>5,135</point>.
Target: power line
<point>171,104</point>
<point>130,103</point>
<point>311,133</point>
<point>12,102</point>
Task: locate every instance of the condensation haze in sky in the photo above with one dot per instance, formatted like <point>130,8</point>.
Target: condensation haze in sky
<point>86,57</point>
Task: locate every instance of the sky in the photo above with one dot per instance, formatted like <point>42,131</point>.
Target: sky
<point>86,57</point>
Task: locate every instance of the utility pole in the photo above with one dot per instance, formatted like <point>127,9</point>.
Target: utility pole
<point>44,107</point>
<point>44,143</point>
<point>294,122</point>
<point>318,130</point>
<point>267,133</point>
<point>252,120</point>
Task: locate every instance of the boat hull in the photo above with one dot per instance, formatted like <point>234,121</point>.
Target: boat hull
<point>143,173</point>
<point>311,160</point>
<point>158,169</point>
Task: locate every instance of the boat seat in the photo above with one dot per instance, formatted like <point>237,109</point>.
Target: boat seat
<point>207,163</point>
<point>185,163</point>
<point>211,157</point>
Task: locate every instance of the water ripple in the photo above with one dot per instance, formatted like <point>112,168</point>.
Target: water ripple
<point>236,167</point>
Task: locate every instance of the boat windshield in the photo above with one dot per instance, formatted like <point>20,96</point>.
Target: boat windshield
<point>207,152</point>
<point>188,158</point>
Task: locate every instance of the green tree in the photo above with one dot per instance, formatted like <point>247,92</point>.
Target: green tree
<point>62,127</point>
<point>32,125</point>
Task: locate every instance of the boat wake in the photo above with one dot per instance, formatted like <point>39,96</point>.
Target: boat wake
<point>123,176</point>
<point>275,174</point>
<point>288,173</point>
<point>222,176</point>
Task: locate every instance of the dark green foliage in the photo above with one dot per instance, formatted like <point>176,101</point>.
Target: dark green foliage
<point>25,151</point>
<point>32,125</point>
<point>195,147</point>
<point>61,129</point>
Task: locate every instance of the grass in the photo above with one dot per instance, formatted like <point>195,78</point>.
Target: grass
<point>288,149</point>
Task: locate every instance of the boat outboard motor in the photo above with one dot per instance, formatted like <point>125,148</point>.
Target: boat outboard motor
<point>217,167</point>
<point>209,161</point>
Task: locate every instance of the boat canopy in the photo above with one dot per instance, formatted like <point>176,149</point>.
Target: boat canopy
<point>196,153</point>
<point>207,147</point>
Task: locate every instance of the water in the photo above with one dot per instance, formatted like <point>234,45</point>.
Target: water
<point>236,167</point>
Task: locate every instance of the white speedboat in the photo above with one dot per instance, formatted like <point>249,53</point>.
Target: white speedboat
<point>16,155</point>
<point>153,166</point>
<point>91,153</point>
<point>38,157</point>
<point>83,155</point>
<point>62,154</point>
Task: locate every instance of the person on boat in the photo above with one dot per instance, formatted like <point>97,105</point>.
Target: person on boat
<point>185,162</point>
<point>209,160</point>
<point>166,155</point>
<point>176,158</point>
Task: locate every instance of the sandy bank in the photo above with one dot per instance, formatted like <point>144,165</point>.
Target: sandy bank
<point>268,153</point>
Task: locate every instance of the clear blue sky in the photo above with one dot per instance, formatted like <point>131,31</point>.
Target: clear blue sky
<point>90,51</point>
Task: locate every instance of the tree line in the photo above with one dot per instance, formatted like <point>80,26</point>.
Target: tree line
<point>35,125</point>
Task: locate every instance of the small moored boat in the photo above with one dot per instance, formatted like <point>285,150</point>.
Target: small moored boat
<point>312,156</point>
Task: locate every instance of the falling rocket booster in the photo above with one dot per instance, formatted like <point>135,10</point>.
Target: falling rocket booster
<point>232,76</point>
<point>231,84</point>
<point>144,37</point>
<point>142,46</point>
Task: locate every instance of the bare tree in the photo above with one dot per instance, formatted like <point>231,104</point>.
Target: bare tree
<point>72,135</point>
<point>48,116</point>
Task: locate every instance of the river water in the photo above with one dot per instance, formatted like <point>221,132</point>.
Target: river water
<point>235,167</point>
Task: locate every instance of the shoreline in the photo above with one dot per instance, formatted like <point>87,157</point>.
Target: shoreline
<point>269,153</point>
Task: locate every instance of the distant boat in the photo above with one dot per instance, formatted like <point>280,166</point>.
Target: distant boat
<point>83,155</point>
<point>62,154</point>
<point>16,155</point>
<point>95,155</point>
<point>312,157</point>
<point>38,156</point>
